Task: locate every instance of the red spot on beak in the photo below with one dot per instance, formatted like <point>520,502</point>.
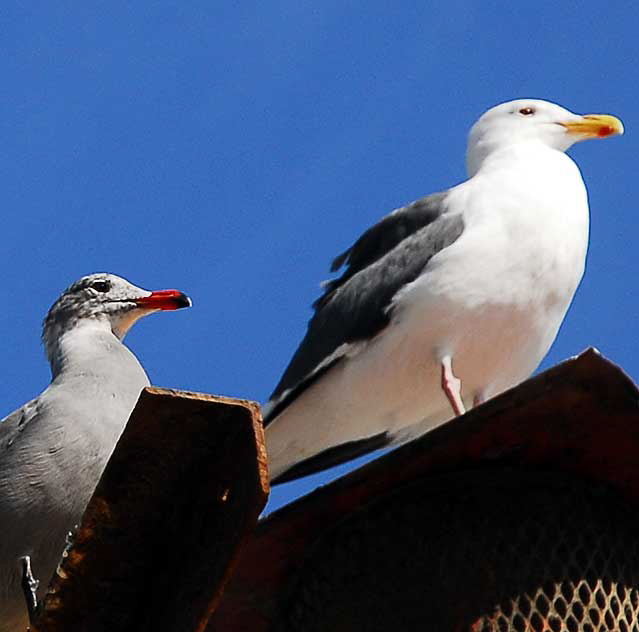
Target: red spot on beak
<point>165,300</point>
<point>606,130</point>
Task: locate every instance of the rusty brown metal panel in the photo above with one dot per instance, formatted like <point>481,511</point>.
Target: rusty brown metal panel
<point>580,418</point>
<point>484,550</point>
<point>183,488</point>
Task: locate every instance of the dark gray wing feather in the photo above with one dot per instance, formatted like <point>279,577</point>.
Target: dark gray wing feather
<point>383,237</point>
<point>333,456</point>
<point>355,306</point>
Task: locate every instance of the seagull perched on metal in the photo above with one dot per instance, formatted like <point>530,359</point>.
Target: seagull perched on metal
<point>54,448</point>
<point>445,302</point>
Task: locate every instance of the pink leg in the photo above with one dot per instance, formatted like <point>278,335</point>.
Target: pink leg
<point>452,387</point>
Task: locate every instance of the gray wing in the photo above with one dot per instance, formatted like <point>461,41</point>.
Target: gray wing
<point>355,307</point>
<point>383,237</point>
<point>14,424</point>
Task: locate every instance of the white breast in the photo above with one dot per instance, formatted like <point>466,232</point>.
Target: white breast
<point>494,301</point>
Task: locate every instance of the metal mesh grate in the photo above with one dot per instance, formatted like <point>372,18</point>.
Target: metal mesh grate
<point>497,551</point>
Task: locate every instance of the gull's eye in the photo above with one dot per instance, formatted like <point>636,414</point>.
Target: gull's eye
<point>101,286</point>
<point>527,111</point>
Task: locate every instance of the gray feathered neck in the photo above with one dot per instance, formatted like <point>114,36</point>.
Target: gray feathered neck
<point>101,298</point>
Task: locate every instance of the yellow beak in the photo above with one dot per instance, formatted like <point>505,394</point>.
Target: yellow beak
<point>595,126</point>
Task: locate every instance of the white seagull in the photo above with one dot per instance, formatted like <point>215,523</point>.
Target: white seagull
<point>444,302</point>
<point>54,448</point>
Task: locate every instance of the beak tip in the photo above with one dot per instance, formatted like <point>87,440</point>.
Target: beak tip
<point>615,129</point>
<point>595,126</point>
<point>166,300</point>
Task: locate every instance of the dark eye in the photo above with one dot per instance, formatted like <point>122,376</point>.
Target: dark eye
<point>101,286</point>
<point>527,111</point>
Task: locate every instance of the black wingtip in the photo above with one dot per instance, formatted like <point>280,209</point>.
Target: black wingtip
<point>333,456</point>
<point>340,260</point>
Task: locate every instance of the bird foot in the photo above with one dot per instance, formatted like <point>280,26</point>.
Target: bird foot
<point>29,588</point>
<point>478,399</point>
<point>451,386</point>
<point>69,539</point>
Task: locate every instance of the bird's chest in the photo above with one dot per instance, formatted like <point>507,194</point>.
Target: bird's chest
<point>87,413</point>
<point>523,248</point>
<point>496,297</point>
<point>526,264</point>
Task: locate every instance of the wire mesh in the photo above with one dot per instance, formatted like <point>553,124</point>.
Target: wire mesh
<point>496,551</point>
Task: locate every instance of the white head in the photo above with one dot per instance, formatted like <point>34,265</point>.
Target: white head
<point>533,120</point>
<point>107,299</point>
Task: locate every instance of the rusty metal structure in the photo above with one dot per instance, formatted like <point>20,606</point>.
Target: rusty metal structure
<point>520,516</point>
<point>159,538</point>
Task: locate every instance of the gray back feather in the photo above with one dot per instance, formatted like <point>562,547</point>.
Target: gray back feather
<point>356,306</point>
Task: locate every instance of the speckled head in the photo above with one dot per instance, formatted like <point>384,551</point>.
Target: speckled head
<point>107,298</point>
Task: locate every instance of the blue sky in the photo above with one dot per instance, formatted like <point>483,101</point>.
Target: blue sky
<point>232,149</point>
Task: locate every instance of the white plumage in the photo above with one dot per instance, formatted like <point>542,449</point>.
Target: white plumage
<point>491,300</point>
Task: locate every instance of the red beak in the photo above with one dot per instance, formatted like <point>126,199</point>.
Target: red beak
<point>164,299</point>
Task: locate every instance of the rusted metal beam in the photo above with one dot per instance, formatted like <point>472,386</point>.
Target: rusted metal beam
<point>183,488</point>
<point>580,418</point>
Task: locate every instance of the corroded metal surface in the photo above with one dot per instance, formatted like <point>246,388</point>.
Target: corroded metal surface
<point>579,420</point>
<point>489,551</point>
<point>183,488</point>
